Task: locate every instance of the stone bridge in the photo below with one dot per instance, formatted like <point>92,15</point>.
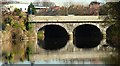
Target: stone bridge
<point>69,23</point>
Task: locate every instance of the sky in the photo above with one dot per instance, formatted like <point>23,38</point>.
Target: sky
<point>60,2</point>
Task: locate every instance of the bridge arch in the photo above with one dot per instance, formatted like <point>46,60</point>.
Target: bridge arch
<point>112,35</point>
<point>87,36</point>
<point>69,27</point>
<point>91,24</point>
<point>45,24</point>
<point>55,37</point>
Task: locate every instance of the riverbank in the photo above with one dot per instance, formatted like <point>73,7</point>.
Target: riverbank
<point>15,27</point>
<point>20,35</point>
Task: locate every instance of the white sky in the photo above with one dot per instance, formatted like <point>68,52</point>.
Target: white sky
<point>60,2</point>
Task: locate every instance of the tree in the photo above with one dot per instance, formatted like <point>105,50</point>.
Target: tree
<point>8,20</point>
<point>17,11</point>
<point>114,11</point>
<point>62,11</point>
<point>31,9</point>
<point>76,10</point>
<point>48,4</point>
<point>28,26</point>
<point>103,10</point>
<point>113,33</point>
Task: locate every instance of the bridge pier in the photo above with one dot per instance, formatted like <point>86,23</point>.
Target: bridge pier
<point>69,46</point>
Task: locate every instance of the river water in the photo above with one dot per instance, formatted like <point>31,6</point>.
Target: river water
<point>31,52</point>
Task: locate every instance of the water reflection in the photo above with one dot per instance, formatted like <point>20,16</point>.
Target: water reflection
<point>114,58</point>
<point>54,44</point>
<point>17,50</point>
<point>24,52</point>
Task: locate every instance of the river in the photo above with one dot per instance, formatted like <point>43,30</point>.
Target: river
<point>31,52</point>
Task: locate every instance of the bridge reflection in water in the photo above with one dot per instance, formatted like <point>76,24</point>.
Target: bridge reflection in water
<point>86,56</point>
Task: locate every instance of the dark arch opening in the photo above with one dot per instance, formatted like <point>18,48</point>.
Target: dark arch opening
<point>87,36</point>
<point>55,37</point>
<point>113,36</point>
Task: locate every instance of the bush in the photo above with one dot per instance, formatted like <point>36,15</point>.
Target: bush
<point>20,15</point>
<point>30,47</point>
<point>40,35</point>
<point>17,34</point>
<point>113,35</point>
<point>29,26</point>
<point>16,25</point>
<point>31,9</point>
<point>18,11</point>
<point>9,57</point>
<point>8,20</point>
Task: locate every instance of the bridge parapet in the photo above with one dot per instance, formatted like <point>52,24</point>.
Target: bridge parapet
<point>33,18</point>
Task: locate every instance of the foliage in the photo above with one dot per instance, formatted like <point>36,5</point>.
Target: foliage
<point>17,34</point>
<point>28,52</point>
<point>31,9</point>
<point>3,26</point>
<point>15,45</point>
<point>40,35</point>
<point>113,33</point>
<point>8,20</point>
<point>0,26</point>
<point>103,10</point>
<point>113,11</point>
<point>28,26</point>
<point>31,46</point>
<point>17,11</point>
<point>76,10</point>
<point>30,34</point>
<point>62,11</point>
<point>26,48</point>
<point>20,15</point>
<point>19,25</point>
<point>9,57</point>
<point>22,24</point>
<point>113,59</point>
<point>16,25</point>
<point>48,4</point>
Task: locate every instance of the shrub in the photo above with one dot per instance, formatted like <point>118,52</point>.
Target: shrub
<point>31,9</point>
<point>16,25</point>
<point>29,26</point>
<point>18,11</point>
<point>8,20</point>
<point>17,34</point>
<point>40,35</point>
<point>113,36</point>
